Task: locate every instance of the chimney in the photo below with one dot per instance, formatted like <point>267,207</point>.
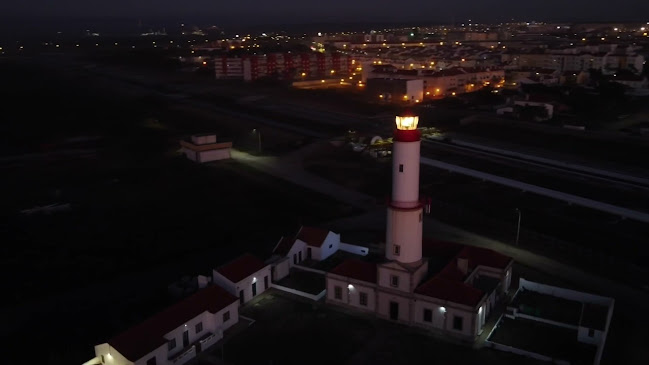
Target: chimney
<point>463,265</point>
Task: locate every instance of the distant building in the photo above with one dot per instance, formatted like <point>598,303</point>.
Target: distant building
<point>443,287</point>
<point>396,90</point>
<point>204,148</point>
<point>175,335</point>
<point>288,66</point>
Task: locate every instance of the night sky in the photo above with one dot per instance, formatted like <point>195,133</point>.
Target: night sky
<point>303,11</point>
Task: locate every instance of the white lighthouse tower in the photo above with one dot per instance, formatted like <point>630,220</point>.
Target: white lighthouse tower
<point>404,221</point>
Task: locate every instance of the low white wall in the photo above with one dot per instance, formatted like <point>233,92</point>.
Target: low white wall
<point>214,155</point>
<point>565,293</point>
<point>300,267</point>
<point>543,320</point>
<point>301,293</point>
<point>358,250</point>
<point>518,351</point>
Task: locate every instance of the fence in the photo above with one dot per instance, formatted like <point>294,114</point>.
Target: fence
<point>313,297</point>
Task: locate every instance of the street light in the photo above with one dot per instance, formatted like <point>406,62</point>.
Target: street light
<point>518,226</point>
<point>258,139</point>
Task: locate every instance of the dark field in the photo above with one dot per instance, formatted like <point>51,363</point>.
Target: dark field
<point>313,333</point>
<point>139,216</point>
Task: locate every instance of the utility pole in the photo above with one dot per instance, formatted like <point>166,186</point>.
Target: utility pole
<point>258,139</point>
<point>518,226</point>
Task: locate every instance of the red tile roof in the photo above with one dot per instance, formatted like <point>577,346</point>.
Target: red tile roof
<point>451,290</point>
<point>284,245</point>
<point>357,269</point>
<point>312,236</point>
<point>241,268</point>
<point>147,336</point>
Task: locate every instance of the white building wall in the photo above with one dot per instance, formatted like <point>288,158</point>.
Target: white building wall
<point>350,292</point>
<point>383,301</point>
<point>206,318</point>
<point>332,283</point>
<point>405,183</point>
<point>582,336</point>
<point>294,253</point>
<point>415,90</point>
<point>110,355</point>
<point>281,269</point>
<point>191,155</point>
<point>214,155</point>
<point>438,315</point>
<point>258,279</point>
<point>328,248</point>
<point>468,321</point>
<point>160,354</point>
<point>404,228</point>
<point>385,276</point>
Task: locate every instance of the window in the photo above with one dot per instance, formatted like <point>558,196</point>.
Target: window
<point>294,258</point>
<point>338,293</point>
<point>400,167</point>
<point>428,315</point>
<point>362,299</point>
<point>151,361</point>
<point>591,332</point>
<point>458,323</point>
<point>420,217</point>
<point>396,250</point>
<point>226,316</point>
<point>331,245</point>
<point>299,259</point>
<point>199,327</point>
<point>171,344</point>
<point>394,281</point>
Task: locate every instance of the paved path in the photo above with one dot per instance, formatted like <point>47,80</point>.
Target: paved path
<point>289,168</point>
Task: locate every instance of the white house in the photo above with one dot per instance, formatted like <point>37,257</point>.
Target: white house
<point>204,148</point>
<point>245,277</point>
<point>309,243</point>
<point>175,335</point>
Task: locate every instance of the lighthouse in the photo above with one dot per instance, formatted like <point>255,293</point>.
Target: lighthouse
<point>404,220</point>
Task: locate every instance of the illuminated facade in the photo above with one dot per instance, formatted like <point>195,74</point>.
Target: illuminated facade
<point>443,287</point>
<point>291,66</point>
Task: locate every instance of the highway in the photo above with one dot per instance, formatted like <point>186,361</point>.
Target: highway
<point>584,182</point>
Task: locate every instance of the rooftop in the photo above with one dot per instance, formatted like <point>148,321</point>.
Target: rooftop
<point>241,268</point>
<point>451,290</point>
<point>357,269</point>
<point>312,236</point>
<point>145,337</point>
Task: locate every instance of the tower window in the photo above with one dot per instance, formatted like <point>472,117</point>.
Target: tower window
<point>396,250</point>
<point>394,281</point>
<point>400,167</point>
